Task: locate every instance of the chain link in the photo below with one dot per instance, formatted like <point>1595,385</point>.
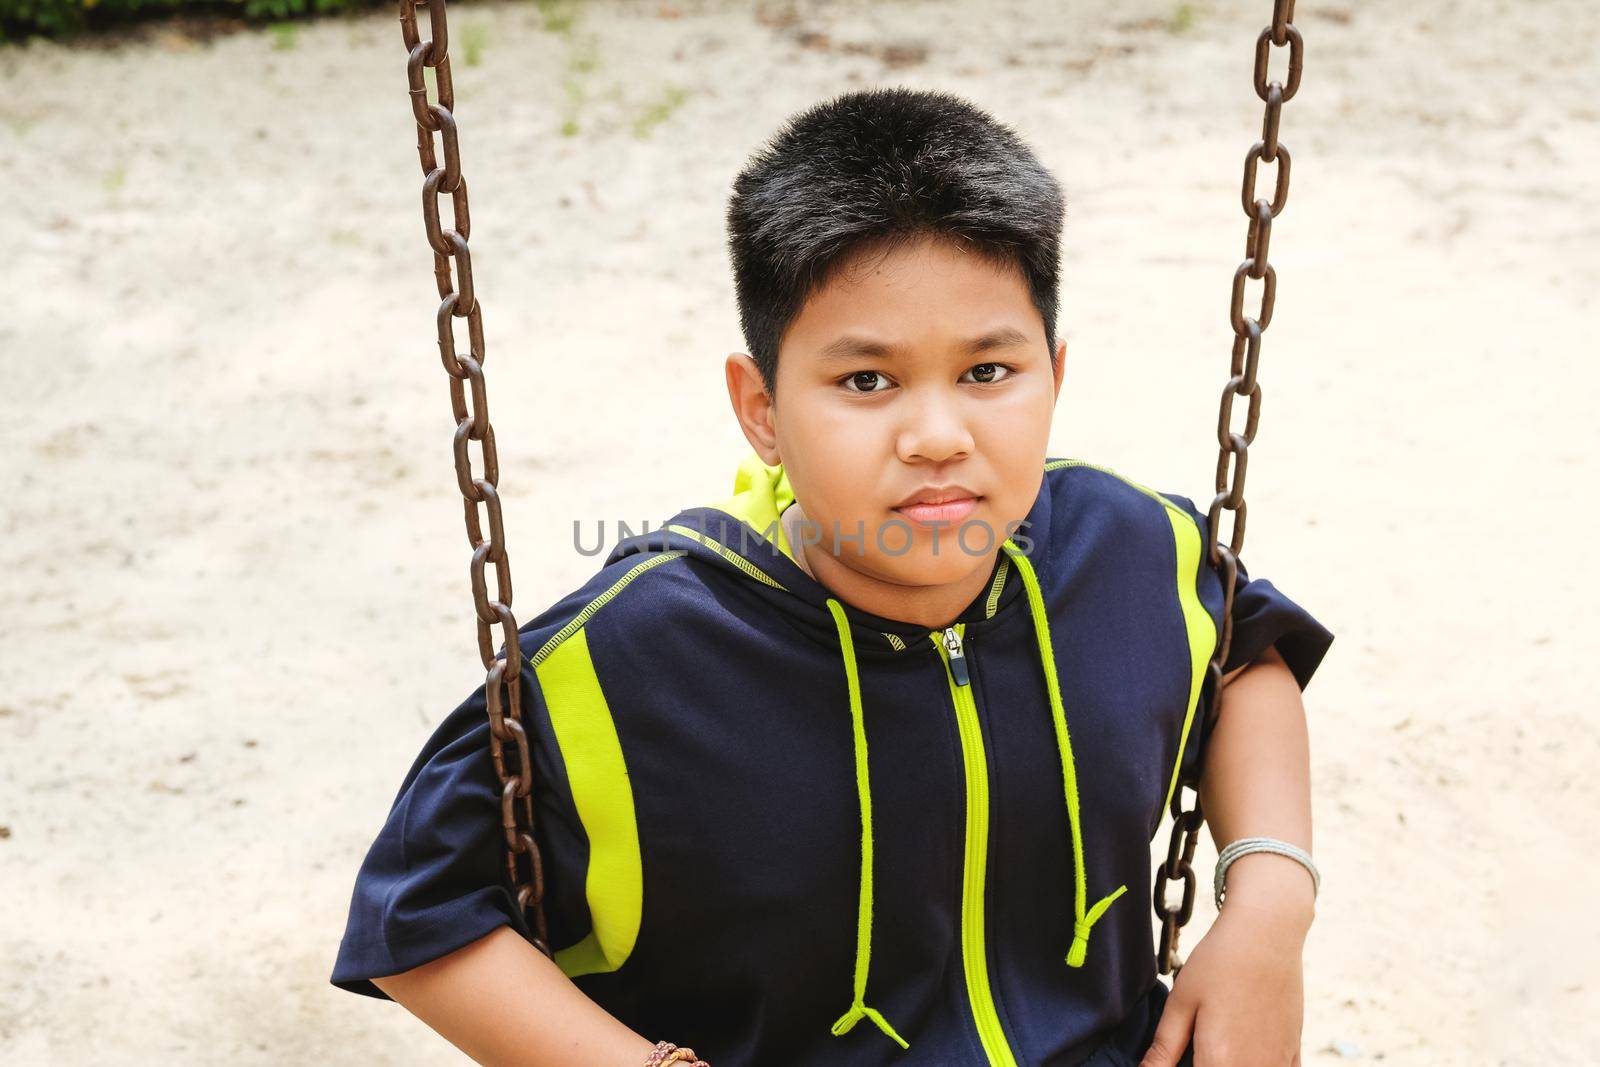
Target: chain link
<point>469,403</point>
<point>1234,446</point>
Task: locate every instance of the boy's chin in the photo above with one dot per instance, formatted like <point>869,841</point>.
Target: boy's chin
<point>922,568</point>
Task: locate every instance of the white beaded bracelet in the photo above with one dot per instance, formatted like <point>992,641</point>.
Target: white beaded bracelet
<point>1245,845</point>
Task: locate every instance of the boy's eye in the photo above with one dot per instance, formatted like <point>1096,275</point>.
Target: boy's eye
<point>864,380</point>
<point>987,372</point>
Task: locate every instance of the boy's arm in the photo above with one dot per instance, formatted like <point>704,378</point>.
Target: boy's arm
<point>502,1001</point>
<point>1239,1000</point>
<point>1257,782</point>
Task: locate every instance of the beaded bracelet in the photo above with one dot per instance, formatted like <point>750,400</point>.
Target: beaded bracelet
<point>666,1052</point>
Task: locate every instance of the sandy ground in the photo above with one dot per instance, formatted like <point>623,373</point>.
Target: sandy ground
<point>233,578</point>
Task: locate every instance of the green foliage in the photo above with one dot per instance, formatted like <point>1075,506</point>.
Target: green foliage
<point>474,37</point>
<point>286,9</point>
<point>660,111</point>
<point>20,19</point>
<point>558,15</point>
<point>583,58</point>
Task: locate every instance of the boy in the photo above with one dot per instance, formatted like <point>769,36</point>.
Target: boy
<point>861,765</point>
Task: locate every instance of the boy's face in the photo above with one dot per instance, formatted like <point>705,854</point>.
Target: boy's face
<point>924,366</point>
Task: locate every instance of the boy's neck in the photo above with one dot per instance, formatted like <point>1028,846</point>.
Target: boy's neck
<point>933,606</point>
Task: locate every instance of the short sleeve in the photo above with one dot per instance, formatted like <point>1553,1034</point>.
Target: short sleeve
<point>1263,617</point>
<point>433,880</point>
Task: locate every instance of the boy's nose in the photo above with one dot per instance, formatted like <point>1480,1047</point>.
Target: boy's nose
<point>935,431</point>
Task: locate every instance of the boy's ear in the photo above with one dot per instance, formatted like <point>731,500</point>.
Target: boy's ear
<point>1061,365</point>
<point>752,406</point>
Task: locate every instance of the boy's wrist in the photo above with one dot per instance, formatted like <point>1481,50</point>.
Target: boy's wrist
<point>1275,887</point>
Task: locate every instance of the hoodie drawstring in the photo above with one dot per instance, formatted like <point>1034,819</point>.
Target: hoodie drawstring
<point>858,1007</point>
<point>1083,919</point>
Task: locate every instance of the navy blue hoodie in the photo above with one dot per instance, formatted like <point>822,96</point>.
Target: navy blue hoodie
<point>783,830</point>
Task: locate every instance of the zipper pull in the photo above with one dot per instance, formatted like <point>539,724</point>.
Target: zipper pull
<point>958,658</point>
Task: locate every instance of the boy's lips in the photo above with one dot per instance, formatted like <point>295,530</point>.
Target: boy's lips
<point>946,511</point>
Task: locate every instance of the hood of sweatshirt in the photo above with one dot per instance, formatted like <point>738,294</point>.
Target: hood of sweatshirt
<point>743,534</point>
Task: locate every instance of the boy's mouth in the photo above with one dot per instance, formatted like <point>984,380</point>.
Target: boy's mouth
<point>930,506</point>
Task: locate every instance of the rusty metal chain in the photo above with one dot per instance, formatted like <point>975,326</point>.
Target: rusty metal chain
<point>508,740</point>
<point>1235,445</point>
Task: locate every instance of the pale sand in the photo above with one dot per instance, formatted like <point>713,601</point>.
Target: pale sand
<point>234,572</point>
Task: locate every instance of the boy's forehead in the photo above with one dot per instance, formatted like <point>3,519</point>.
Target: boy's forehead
<point>851,346</point>
<point>878,302</point>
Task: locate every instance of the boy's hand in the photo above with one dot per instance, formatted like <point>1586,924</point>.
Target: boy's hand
<point>1241,992</point>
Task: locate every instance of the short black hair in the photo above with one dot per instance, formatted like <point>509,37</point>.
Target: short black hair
<point>884,166</point>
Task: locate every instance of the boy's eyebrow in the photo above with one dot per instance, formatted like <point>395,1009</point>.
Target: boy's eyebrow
<point>847,347</point>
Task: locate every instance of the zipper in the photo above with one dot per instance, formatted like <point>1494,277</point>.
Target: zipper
<point>958,658</point>
<point>974,953</point>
